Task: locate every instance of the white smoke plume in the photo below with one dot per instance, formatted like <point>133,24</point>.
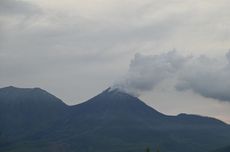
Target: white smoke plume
<point>145,72</point>
<point>209,77</point>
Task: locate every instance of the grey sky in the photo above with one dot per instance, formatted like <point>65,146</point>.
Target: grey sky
<point>75,49</point>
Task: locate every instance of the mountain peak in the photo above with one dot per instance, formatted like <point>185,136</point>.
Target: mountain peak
<point>9,88</point>
<point>37,95</point>
<point>119,92</point>
<point>118,104</point>
<point>113,90</point>
<point>13,89</point>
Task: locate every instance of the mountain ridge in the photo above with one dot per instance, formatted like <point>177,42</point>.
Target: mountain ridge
<point>110,120</point>
<point>108,90</point>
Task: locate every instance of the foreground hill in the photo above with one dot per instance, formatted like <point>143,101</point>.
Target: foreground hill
<point>33,120</point>
<point>25,111</point>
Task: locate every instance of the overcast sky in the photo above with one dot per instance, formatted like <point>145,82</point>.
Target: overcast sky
<point>172,54</point>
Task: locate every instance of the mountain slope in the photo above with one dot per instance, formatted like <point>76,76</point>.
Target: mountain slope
<point>117,116</point>
<point>113,106</point>
<point>110,121</point>
<point>224,149</point>
<point>26,111</point>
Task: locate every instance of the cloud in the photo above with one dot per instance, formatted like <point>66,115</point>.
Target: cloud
<point>228,56</point>
<point>208,77</point>
<point>17,7</point>
<point>145,72</point>
<point>42,38</point>
<point>15,15</point>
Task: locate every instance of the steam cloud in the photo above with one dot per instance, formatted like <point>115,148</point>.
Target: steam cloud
<point>145,72</point>
<point>203,75</point>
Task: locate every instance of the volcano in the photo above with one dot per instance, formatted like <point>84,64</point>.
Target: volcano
<point>33,120</point>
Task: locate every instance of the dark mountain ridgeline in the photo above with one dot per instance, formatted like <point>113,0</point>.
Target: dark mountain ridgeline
<point>33,120</point>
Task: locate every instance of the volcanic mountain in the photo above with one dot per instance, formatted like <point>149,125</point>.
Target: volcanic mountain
<point>34,120</point>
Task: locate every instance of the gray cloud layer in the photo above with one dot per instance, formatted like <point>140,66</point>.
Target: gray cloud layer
<point>16,7</point>
<point>83,46</point>
<point>206,76</point>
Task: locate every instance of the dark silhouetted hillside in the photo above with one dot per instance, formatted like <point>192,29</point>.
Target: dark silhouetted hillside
<point>33,120</point>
